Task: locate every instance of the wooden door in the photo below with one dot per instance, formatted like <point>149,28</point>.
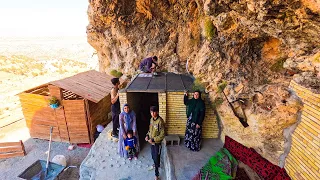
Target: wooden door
<point>76,119</point>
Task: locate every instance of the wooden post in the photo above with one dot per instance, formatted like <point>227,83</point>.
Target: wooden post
<point>22,148</point>
<point>89,123</point>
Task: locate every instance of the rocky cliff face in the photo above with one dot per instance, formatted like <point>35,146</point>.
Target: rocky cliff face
<point>255,47</point>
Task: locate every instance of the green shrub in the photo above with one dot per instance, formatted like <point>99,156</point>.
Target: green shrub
<point>221,86</point>
<point>217,102</point>
<point>113,72</point>
<point>119,74</point>
<point>53,100</point>
<point>278,66</point>
<point>209,29</point>
<point>116,73</point>
<point>198,85</point>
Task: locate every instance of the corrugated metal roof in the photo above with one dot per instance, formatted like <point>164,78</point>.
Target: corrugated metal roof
<point>163,82</point>
<point>91,85</point>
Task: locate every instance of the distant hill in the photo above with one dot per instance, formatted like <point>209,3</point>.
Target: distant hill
<point>29,62</point>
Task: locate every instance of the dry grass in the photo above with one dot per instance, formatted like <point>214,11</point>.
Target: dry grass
<point>23,65</point>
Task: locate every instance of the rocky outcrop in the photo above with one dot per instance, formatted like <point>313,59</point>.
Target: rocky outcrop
<point>254,46</point>
<point>268,112</point>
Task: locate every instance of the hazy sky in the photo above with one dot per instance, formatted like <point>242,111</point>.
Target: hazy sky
<point>43,17</point>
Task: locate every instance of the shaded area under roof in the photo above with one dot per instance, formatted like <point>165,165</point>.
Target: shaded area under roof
<point>91,85</point>
<point>163,82</point>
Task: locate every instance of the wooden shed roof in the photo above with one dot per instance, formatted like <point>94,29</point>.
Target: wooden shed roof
<point>163,82</point>
<point>91,85</point>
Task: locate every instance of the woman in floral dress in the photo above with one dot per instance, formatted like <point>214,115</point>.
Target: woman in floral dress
<point>195,114</point>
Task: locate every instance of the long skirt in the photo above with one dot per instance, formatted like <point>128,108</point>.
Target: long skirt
<point>192,136</point>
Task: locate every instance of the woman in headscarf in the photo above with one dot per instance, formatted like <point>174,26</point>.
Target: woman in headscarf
<point>195,115</point>
<point>127,121</point>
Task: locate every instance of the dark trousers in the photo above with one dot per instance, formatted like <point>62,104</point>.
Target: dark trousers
<point>156,152</point>
<point>115,123</point>
<point>96,135</point>
<point>132,152</point>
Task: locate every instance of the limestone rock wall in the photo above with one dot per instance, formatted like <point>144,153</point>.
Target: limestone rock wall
<point>254,46</point>
<point>268,113</point>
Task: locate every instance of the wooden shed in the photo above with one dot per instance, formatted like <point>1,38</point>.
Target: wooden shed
<point>165,91</point>
<point>84,103</point>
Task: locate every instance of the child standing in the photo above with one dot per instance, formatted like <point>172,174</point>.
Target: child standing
<point>130,143</point>
<point>100,128</point>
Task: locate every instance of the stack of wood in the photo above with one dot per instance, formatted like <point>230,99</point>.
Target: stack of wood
<point>12,149</point>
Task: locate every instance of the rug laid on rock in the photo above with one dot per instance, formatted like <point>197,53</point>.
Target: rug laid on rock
<point>241,174</point>
<point>255,161</point>
<point>221,166</point>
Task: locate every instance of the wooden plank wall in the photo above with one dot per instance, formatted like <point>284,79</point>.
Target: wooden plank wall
<point>99,113</point>
<point>75,113</point>
<point>39,117</point>
<point>176,116</point>
<point>62,124</point>
<point>303,161</point>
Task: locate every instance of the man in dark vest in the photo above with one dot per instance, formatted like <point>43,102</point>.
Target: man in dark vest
<point>115,106</point>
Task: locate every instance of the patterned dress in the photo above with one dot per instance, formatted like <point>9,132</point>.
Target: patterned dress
<point>195,114</point>
<point>193,135</point>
